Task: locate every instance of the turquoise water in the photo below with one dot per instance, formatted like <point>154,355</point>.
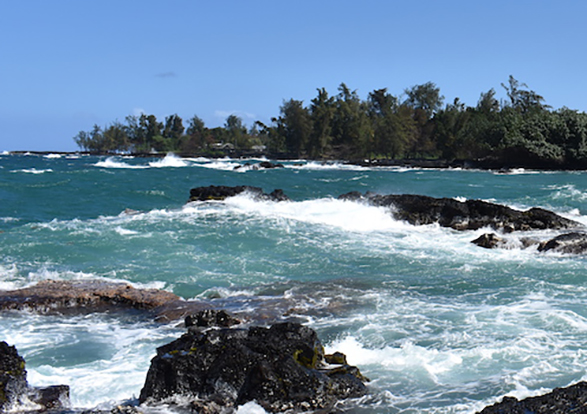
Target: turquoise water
<point>438,324</point>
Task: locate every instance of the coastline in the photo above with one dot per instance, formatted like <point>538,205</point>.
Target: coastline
<point>489,164</point>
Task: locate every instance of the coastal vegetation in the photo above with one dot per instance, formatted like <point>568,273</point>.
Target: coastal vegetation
<point>518,131</point>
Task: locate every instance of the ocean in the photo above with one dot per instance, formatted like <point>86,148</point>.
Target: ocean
<point>438,324</point>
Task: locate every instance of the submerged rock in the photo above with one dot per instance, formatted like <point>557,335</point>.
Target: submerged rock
<point>572,399</point>
<point>282,368</point>
<point>222,192</point>
<point>14,389</point>
<point>463,215</point>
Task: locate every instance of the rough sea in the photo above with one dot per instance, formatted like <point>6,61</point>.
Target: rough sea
<point>438,324</point>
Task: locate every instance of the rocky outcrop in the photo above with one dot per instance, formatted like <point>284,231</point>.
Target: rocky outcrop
<point>263,165</point>
<point>489,241</point>
<point>282,368</point>
<point>69,297</point>
<point>86,295</point>
<point>572,399</point>
<point>221,192</point>
<point>568,243</point>
<point>14,389</point>
<point>463,215</point>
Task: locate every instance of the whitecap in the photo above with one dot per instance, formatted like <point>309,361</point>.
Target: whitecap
<point>111,162</point>
<point>54,156</point>
<point>33,171</point>
<point>314,165</point>
<point>125,232</point>
<point>170,160</point>
<point>223,165</point>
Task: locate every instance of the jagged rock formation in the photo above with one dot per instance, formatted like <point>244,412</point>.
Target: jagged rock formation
<point>282,368</point>
<point>14,389</point>
<point>463,215</point>
<point>566,243</point>
<point>569,243</point>
<point>568,400</point>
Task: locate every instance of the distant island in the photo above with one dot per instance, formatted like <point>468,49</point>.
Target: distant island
<point>518,132</point>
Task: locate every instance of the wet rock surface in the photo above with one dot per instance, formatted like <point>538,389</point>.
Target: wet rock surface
<point>221,192</point>
<point>281,368</point>
<point>463,215</point>
<point>489,241</point>
<point>567,400</point>
<point>83,296</point>
<point>568,243</point>
<point>263,165</point>
<point>88,296</point>
<point>15,391</point>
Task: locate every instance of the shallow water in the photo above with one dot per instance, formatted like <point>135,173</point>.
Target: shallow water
<point>438,324</point>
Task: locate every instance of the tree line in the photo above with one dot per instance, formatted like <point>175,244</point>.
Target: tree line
<point>520,130</point>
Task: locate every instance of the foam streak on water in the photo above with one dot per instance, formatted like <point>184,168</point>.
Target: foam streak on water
<point>439,324</point>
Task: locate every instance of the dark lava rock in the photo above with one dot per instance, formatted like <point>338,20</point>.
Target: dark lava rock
<point>281,368</point>
<point>570,243</point>
<point>488,241</point>
<point>15,390</point>
<point>211,317</point>
<point>13,382</point>
<point>52,397</point>
<point>270,165</point>
<point>572,399</point>
<point>463,215</point>
<point>267,165</point>
<point>83,295</point>
<point>222,192</point>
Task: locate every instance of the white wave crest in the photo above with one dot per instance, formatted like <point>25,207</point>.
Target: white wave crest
<point>33,171</point>
<point>111,162</point>
<point>346,215</point>
<point>170,160</point>
<point>222,165</point>
<point>314,165</point>
<point>567,192</point>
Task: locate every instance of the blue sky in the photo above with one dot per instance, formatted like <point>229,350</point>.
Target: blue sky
<point>67,65</point>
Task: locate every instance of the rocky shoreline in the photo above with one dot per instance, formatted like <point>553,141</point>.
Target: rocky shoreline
<point>213,368</point>
<point>223,361</point>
